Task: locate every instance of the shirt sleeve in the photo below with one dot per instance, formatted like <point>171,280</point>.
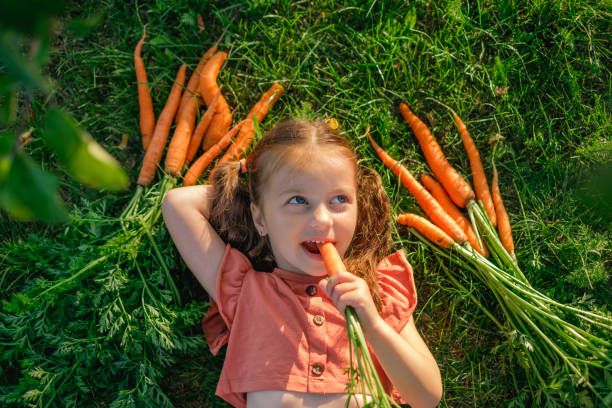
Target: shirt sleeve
<point>398,291</point>
<point>217,323</point>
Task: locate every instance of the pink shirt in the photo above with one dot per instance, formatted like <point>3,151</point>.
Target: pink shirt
<point>282,333</point>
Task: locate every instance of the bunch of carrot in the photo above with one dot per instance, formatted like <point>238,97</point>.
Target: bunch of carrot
<point>369,380</point>
<point>211,133</point>
<point>552,349</point>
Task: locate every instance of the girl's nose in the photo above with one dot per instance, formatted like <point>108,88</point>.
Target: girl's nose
<point>322,216</point>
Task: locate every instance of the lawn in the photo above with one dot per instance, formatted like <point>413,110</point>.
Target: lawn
<point>88,314</point>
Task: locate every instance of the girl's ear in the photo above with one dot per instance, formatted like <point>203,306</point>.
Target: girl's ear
<point>258,219</point>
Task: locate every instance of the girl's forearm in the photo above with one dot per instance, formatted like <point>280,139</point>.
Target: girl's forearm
<point>197,198</point>
<point>415,376</point>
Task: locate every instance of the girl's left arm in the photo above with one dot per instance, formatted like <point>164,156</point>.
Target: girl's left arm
<point>404,356</point>
<point>407,362</point>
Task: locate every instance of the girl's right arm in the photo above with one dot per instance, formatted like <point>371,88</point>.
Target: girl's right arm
<point>185,211</point>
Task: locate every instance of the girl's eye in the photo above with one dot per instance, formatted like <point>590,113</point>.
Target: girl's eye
<point>342,199</point>
<point>297,200</point>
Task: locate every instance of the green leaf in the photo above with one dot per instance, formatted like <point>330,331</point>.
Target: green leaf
<point>7,143</point>
<point>27,193</point>
<point>30,16</point>
<point>18,67</point>
<point>8,109</point>
<point>410,19</point>
<point>83,157</point>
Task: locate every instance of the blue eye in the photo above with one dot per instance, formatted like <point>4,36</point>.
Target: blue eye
<point>299,199</point>
<point>343,199</point>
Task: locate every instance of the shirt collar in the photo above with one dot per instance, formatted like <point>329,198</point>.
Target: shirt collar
<point>296,277</point>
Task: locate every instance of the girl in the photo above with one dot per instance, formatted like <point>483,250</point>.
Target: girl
<point>250,238</point>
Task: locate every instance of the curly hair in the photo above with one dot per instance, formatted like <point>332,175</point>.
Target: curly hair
<point>231,215</point>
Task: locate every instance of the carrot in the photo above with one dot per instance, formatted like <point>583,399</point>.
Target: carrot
<point>198,133</point>
<point>481,186</point>
<point>429,204</point>
<point>438,192</point>
<point>458,189</point>
<point>179,145</point>
<point>503,222</point>
<point>431,232</point>
<point>194,83</point>
<point>145,104</point>
<point>258,112</point>
<point>158,141</point>
<point>331,259</point>
<point>222,119</point>
<point>205,159</point>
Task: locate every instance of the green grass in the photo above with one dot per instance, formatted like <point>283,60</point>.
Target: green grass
<point>535,75</point>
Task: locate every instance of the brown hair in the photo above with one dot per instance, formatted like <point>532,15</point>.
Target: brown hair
<point>231,216</point>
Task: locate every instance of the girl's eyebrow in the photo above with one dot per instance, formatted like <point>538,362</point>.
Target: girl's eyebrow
<point>294,190</point>
<point>290,190</point>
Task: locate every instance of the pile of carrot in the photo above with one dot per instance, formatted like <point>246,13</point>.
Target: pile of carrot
<point>555,349</point>
<point>211,133</point>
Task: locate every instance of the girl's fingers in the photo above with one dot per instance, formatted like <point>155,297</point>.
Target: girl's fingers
<point>339,289</point>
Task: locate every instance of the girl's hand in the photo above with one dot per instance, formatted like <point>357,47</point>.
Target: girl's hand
<point>345,289</point>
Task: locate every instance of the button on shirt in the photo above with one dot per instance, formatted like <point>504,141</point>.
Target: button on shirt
<point>283,334</point>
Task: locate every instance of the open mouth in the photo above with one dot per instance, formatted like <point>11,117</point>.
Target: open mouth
<point>311,246</point>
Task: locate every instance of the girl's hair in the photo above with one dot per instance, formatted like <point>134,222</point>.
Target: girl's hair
<point>231,215</point>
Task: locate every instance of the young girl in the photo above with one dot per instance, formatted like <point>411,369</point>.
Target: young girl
<point>250,238</point>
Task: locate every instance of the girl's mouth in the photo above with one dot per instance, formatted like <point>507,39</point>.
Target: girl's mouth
<point>311,248</point>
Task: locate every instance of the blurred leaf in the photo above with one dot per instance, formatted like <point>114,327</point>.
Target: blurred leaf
<point>30,16</point>
<point>18,67</point>
<point>8,109</point>
<point>27,193</point>
<point>40,50</point>
<point>82,27</point>
<point>7,143</point>
<point>84,158</point>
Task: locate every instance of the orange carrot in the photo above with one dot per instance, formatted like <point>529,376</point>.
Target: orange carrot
<point>160,135</point>
<point>179,145</point>
<point>145,104</point>
<point>431,232</point>
<point>177,151</point>
<point>258,112</point>
<point>438,192</point>
<point>222,119</point>
<point>331,259</point>
<point>458,189</point>
<point>198,133</point>
<point>429,204</point>
<point>205,159</point>
<point>503,222</point>
<point>478,174</point>
<point>194,82</point>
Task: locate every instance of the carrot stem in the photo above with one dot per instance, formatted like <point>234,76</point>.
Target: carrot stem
<point>368,374</point>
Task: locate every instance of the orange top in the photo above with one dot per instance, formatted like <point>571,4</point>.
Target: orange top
<point>282,333</point>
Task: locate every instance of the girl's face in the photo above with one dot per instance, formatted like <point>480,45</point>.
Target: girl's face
<point>301,206</point>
